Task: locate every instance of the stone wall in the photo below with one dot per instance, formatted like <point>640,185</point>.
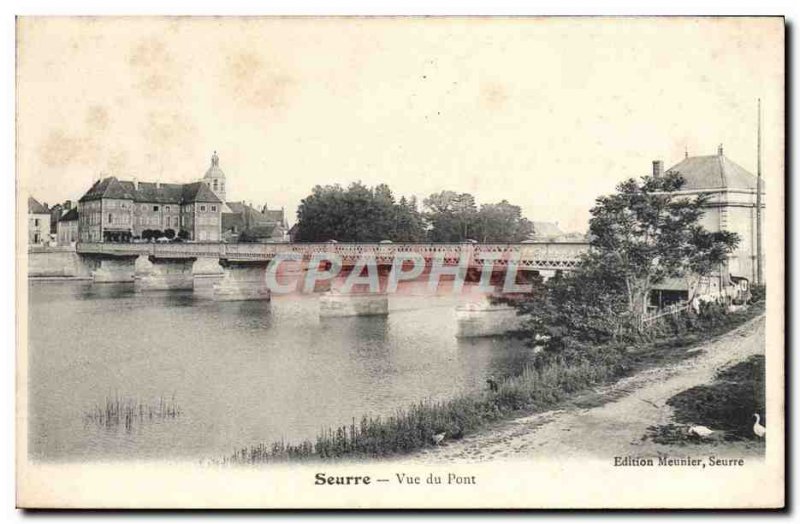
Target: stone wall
<point>54,264</point>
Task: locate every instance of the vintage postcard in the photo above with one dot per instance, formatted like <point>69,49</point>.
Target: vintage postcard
<point>352,262</point>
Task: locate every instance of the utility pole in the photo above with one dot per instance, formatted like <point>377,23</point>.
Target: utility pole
<point>759,269</point>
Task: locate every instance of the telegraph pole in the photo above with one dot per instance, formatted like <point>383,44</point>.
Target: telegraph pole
<point>759,269</point>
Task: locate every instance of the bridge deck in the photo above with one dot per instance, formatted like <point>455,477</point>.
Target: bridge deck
<point>535,255</point>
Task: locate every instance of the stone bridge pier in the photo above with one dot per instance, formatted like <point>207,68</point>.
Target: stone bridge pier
<point>242,280</point>
<point>161,273</point>
<point>354,293</point>
<point>108,268</point>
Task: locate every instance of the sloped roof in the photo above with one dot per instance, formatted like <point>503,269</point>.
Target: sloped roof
<point>265,231</point>
<point>276,215</point>
<point>199,192</point>
<point>231,220</point>
<point>70,215</point>
<point>253,217</point>
<point>713,172</point>
<point>111,187</point>
<point>35,208</point>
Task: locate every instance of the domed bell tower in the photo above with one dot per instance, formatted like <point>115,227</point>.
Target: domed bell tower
<point>215,178</point>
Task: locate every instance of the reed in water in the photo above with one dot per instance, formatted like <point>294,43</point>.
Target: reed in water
<point>127,412</point>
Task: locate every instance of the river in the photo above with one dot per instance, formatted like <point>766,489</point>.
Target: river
<point>241,372</point>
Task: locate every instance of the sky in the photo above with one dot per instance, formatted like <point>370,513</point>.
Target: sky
<point>545,113</point>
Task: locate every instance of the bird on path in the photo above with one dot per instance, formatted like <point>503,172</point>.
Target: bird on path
<point>438,438</point>
<point>758,429</point>
<point>700,431</point>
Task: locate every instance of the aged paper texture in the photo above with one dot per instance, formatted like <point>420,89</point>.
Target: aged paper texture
<point>400,262</point>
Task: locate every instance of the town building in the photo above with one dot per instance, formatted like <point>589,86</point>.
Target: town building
<point>116,210</point>
<point>56,212</point>
<point>67,228</point>
<point>731,206</point>
<point>38,223</point>
<point>122,210</point>
<point>245,223</point>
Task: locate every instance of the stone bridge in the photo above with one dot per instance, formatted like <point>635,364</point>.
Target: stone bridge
<point>243,267</point>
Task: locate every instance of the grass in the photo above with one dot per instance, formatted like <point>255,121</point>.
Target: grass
<point>534,389</point>
<point>119,412</point>
<point>728,403</point>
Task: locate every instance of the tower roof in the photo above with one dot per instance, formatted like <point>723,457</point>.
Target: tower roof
<point>714,172</point>
<point>214,170</point>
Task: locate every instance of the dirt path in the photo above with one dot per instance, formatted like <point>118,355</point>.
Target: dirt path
<point>616,427</point>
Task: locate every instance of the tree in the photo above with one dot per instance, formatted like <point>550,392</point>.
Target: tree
<point>169,233</point>
<point>647,232</point>
<point>454,217</point>
<point>502,222</point>
<point>409,225</point>
<point>183,234</point>
<point>450,216</point>
<point>356,214</point>
<point>639,236</point>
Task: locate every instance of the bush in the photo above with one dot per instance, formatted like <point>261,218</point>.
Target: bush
<point>758,293</point>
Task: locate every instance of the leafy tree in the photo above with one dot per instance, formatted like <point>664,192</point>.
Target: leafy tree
<point>647,233</point>
<point>169,233</point>
<point>454,217</point>
<point>409,224</point>
<point>183,234</point>
<point>451,216</point>
<point>502,222</point>
<point>639,236</point>
<point>357,214</point>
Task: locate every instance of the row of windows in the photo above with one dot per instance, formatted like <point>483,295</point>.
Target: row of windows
<point>120,219</point>
<point>146,207</point>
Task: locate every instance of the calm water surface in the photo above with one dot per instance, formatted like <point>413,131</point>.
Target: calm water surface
<point>242,372</point>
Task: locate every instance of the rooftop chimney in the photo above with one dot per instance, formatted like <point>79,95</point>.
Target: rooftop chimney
<point>658,168</point>
<point>136,183</point>
<point>719,150</point>
<point>158,184</point>
<point>68,204</point>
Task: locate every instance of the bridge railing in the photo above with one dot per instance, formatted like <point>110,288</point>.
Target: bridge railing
<point>532,255</point>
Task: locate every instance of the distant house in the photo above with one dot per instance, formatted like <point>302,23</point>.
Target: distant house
<point>67,228</point>
<point>244,223</point>
<point>546,231</point>
<point>38,223</point>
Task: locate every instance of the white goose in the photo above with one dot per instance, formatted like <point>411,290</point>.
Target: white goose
<point>700,431</point>
<point>438,438</point>
<point>758,429</point>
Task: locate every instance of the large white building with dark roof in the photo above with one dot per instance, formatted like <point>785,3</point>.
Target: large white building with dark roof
<point>732,203</point>
<point>731,191</point>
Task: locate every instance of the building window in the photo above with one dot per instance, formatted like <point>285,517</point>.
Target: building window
<point>202,208</point>
<point>215,185</point>
<point>36,222</point>
<point>155,208</point>
<point>213,208</point>
<point>109,218</point>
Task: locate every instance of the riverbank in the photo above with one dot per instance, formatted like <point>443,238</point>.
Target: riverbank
<point>434,426</point>
<point>618,420</point>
